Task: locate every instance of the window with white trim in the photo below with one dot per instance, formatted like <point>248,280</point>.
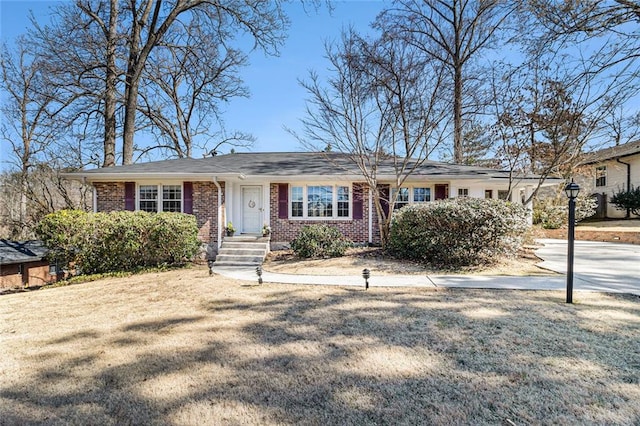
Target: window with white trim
<point>410,195</point>
<point>297,202</point>
<point>320,201</point>
<point>160,198</point>
<point>463,192</point>
<point>503,195</point>
<point>601,176</point>
<point>421,195</point>
<point>402,199</point>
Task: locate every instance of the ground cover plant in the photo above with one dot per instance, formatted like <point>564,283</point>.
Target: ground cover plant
<point>181,347</point>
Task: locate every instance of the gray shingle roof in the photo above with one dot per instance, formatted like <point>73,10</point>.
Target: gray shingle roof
<point>618,151</point>
<point>12,252</point>
<point>283,164</point>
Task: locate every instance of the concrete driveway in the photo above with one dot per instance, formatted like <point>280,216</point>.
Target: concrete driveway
<point>598,266</point>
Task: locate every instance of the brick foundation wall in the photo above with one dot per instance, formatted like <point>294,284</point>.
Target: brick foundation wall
<point>35,274</point>
<point>285,230</point>
<point>601,235</point>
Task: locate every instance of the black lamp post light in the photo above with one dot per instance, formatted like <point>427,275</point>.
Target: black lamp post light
<point>572,189</point>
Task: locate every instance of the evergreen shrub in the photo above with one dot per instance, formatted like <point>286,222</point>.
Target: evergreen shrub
<point>553,213</point>
<point>320,241</point>
<point>118,241</point>
<point>627,200</point>
<point>457,232</point>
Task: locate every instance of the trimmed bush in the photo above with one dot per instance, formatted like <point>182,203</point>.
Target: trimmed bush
<point>553,213</point>
<point>320,241</point>
<point>628,200</point>
<point>457,232</point>
<point>119,241</point>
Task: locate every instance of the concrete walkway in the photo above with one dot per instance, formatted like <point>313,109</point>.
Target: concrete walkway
<point>551,254</point>
<point>433,281</point>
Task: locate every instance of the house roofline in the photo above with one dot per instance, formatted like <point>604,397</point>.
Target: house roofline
<point>611,158</point>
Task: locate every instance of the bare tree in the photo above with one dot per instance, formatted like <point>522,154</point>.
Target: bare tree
<point>31,186</point>
<point>382,106</point>
<point>453,32</point>
<point>549,111</point>
<point>28,126</point>
<point>151,20</point>
<point>184,107</point>
<point>101,53</point>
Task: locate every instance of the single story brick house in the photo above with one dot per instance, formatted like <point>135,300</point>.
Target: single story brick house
<point>285,191</point>
<point>24,264</point>
<point>609,171</point>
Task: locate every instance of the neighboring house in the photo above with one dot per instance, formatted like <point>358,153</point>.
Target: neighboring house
<point>284,191</point>
<point>24,264</point>
<point>612,170</point>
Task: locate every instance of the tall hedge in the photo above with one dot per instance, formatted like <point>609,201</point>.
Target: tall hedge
<point>119,241</point>
<point>457,232</point>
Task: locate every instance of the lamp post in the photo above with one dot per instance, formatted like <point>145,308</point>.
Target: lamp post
<point>571,190</point>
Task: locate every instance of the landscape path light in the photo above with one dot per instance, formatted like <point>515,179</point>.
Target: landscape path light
<point>259,273</point>
<point>571,190</point>
<point>366,274</point>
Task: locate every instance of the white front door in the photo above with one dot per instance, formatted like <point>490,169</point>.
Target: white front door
<point>252,209</point>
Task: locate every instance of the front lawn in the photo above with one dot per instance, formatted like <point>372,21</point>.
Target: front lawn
<point>181,347</point>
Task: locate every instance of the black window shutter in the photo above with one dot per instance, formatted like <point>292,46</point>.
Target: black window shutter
<point>130,196</point>
<point>358,195</point>
<point>187,187</point>
<point>283,200</point>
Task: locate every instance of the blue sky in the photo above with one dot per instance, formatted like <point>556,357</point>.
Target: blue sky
<point>277,99</point>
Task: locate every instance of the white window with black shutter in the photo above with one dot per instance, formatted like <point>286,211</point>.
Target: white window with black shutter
<point>163,197</point>
<point>320,201</point>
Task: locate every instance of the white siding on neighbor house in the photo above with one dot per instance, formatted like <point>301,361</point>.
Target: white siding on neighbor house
<point>617,181</point>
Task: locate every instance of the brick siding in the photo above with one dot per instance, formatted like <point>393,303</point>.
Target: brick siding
<point>110,196</point>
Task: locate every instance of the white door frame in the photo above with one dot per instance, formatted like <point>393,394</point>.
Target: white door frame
<point>259,204</point>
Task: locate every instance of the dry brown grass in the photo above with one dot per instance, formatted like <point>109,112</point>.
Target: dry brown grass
<point>183,348</point>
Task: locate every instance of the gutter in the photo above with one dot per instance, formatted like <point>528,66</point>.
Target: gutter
<point>628,181</point>
<point>219,228</point>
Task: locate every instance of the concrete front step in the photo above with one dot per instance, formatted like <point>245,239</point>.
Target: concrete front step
<point>245,238</point>
<point>240,259</point>
<point>242,250</point>
<point>247,245</point>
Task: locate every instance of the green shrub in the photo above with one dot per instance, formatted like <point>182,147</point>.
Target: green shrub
<point>628,200</point>
<point>552,213</point>
<point>457,232</point>
<point>320,241</point>
<point>119,241</point>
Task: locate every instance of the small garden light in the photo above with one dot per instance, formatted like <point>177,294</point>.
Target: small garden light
<point>259,273</point>
<point>572,190</point>
<point>366,274</point>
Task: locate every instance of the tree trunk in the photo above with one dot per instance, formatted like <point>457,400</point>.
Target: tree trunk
<point>110,89</point>
<point>458,157</point>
